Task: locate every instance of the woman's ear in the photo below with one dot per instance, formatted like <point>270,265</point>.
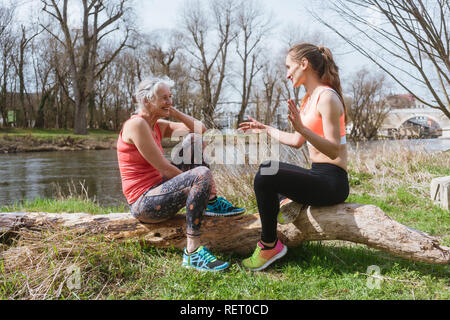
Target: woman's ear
<point>304,64</point>
<point>148,101</point>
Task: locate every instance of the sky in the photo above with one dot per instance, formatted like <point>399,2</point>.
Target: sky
<point>156,14</point>
<point>163,14</point>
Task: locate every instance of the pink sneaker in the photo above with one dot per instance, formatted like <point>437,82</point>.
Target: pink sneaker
<point>261,259</point>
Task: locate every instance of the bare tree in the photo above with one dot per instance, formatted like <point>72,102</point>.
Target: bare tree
<point>210,67</point>
<point>368,108</point>
<point>19,60</point>
<point>269,88</point>
<point>408,39</point>
<point>162,49</point>
<point>43,65</point>
<point>98,19</point>
<point>253,27</point>
<point>165,57</point>
<point>6,47</point>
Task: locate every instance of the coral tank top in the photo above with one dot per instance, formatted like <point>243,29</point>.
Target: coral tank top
<point>137,174</point>
<point>313,120</point>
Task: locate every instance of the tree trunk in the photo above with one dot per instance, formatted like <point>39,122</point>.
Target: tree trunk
<point>80,112</point>
<point>40,113</point>
<point>365,224</point>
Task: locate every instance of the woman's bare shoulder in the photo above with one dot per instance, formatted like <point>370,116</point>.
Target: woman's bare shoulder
<point>329,100</point>
<point>135,122</point>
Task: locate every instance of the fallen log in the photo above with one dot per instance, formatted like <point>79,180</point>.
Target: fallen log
<point>364,224</point>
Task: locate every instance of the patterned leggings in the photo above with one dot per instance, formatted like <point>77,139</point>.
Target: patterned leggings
<point>191,188</point>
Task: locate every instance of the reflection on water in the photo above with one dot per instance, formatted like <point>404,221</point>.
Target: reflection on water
<point>33,175</point>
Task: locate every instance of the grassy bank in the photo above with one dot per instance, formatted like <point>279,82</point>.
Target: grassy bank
<point>56,133</point>
<point>14,140</point>
<point>37,265</point>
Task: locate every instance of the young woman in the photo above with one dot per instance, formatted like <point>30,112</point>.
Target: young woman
<point>320,123</point>
<point>155,188</point>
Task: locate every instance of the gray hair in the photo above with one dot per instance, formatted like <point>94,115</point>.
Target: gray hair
<point>147,89</point>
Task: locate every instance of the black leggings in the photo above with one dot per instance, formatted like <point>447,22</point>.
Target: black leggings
<point>324,184</point>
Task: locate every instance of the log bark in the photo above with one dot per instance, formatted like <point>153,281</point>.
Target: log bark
<point>364,224</point>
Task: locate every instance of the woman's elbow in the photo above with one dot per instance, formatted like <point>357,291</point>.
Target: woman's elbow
<point>333,156</point>
<point>298,145</point>
<point>334,153</point>
<point>169,172</point>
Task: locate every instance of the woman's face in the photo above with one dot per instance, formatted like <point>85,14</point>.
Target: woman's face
<point>295,71</point>
<point>161,102</point>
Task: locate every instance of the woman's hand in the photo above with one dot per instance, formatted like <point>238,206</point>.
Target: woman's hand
<point>174,113</point>
<point>252,124</point>
<point>185,124</point>
<point>295,117</point>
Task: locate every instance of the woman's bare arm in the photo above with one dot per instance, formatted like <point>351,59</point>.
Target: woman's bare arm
<point>294,139</point>
<point>139,134</point>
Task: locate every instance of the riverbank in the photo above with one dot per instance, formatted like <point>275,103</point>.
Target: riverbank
<point>17,144</point>
<point>36,265</point>
<point>33,140</point>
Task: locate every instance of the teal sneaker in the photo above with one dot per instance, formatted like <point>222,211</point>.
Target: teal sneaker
<point>201,259</point>
<point>221,207</point>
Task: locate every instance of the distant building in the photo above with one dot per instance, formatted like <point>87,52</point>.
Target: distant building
<point>11,105</point>
<point>405,101</point>
<point>401,101</point>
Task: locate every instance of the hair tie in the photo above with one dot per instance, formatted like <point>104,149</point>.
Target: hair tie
<point>321,49</point>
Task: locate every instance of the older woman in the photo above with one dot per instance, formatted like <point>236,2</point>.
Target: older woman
<point>321,124</point>
<point>155,188</point>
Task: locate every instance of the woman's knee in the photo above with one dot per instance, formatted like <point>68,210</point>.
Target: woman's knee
<point>203,174</point>
<point>153,214</point>
<point>147,218</point>
<point>261,178</point>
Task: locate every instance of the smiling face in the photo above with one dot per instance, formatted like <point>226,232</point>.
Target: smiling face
<point>295,70</point>
<point>161,101</point>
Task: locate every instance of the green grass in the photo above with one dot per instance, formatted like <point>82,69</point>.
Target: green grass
<point>56,133</point>
<point>398,184</point>
<point>69,205</point>
<point>311,271</point>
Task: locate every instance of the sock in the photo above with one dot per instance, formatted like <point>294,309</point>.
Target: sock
<point>267,247</point>
<point>191,252</point>
<point>211,201</point>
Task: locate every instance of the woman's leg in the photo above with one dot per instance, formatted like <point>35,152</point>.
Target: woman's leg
<point>191,154</point>
<point>301,185</point>
<point>190,189</point>
<point>193,147</point>
<point>324,184</point>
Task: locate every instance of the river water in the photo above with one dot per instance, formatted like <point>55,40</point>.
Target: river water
<point>96,173</point>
